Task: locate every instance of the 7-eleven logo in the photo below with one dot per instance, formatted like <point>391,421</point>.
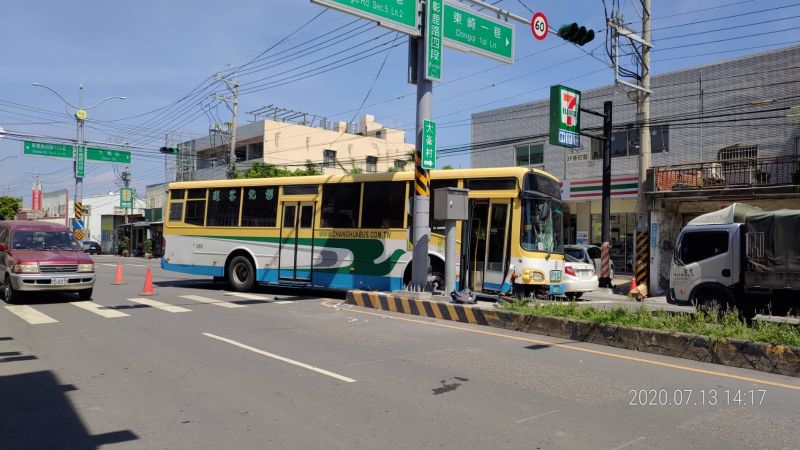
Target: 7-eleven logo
<point>569,108</point>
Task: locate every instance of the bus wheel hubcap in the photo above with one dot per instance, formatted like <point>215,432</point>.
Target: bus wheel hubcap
<point>240,273</point>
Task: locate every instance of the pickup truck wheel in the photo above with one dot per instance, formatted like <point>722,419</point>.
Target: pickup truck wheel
<point>85,294</point>
<point>9,294</point>
<point>713,301</point>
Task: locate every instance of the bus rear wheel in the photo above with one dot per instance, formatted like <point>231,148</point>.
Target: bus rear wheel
<point>240,274</point>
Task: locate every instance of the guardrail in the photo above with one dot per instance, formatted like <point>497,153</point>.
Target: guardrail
<point>735,173</point>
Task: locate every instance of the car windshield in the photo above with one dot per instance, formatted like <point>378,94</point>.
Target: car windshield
<point>541,225</point>
<point>44,240</point>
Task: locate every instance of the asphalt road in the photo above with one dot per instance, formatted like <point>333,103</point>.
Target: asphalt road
<point>291,369</point>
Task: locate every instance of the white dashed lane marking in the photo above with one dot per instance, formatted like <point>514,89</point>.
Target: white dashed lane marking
<point>246,296</point>
<point>159,305</point>
<point>30,315</point>
<point>100,310</point>
<point>212,301</point>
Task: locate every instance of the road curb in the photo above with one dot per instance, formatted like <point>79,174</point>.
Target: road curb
<point>778,359</point>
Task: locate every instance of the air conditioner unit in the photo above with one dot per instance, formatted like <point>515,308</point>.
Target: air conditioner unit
<point>713,172</point>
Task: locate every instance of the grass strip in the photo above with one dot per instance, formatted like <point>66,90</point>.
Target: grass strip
<point>715,326</point>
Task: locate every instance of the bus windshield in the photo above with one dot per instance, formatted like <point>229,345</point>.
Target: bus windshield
<point>541,225</point>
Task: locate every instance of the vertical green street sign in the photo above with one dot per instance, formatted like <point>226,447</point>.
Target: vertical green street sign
<point>470,32</point>
<point>126,198</point>
<point>399,15</point>
<point>46,149</point>
<point>108,155</point>
<point>428,144</point>
<point>565,117</point>
<point>433,39</point>
<point>80,170</point>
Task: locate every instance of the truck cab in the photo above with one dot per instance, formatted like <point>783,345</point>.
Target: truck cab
<point>706,264</point>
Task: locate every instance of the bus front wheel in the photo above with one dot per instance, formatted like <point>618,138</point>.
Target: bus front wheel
<point>240,274</point>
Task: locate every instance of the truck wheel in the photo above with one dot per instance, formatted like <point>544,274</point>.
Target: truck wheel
<point>9,294</point>
<point>85,294</point>
<point>574,295</point>
<point>240,273</point>
<point>713,301</point>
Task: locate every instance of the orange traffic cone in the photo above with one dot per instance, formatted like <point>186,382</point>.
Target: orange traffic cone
<point>634,290</point>
<point>148,284</point>
<point>118,279</point>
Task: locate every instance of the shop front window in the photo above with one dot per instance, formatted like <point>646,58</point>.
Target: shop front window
<point>621,236</point>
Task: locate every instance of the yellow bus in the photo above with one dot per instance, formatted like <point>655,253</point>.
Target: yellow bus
<point>352,231</point>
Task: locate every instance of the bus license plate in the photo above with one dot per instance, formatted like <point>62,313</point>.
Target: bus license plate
<point>58,281</point>
<point>555,275</point>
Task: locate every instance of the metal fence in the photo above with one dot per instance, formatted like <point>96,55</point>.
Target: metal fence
<point>735,173</point>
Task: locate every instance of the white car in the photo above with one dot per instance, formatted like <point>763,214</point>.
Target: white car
<point>579,277</point>
<point>590,254</point>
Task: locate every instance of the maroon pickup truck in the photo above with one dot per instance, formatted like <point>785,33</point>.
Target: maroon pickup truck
<point>40,256</point>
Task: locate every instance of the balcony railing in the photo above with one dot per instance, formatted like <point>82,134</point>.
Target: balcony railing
<point>736,173</point>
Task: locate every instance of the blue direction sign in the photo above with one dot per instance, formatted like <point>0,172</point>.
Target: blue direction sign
<point>78,224</point>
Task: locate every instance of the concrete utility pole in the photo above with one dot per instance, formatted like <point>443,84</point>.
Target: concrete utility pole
<point>126,182</point>
<point>79,162</point>
<point>642,215</point>
<point>233,105</point>
<point>421,219</point>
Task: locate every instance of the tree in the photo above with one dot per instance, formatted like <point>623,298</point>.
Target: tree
<point>447,167</point>
<point>263,170</point>
<point>9,207</point>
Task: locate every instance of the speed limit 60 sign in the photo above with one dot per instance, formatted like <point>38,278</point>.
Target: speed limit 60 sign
<point>539,26</point>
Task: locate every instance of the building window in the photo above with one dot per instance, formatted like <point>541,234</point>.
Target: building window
<point>399,164</point>
<point>626,142</point>
<point>260,206</point>
<point>372,163</point>
<point>223,207</point>
<point>241,153</point>
<point>257,151</point>
<point>329,158</point>
<point>340,203</point>
<point>383,205</point>
<point>737,152</point>
<point>528,155</point>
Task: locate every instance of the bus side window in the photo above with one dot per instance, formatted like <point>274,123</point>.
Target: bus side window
<point>196,207</point>
<point>260,207</point>
<point>383,205</point>
<point>223,207</point>
<point>340,205</point>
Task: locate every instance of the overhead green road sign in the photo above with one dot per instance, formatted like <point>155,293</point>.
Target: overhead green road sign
<point>46,149</point>
<point>433,39</point>
<point>80,168</point>
<point>471,32</point>
<point>108,155</point>
<point>399,15</point>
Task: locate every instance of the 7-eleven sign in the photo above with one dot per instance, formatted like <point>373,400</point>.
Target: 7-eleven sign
<point>565,118</point>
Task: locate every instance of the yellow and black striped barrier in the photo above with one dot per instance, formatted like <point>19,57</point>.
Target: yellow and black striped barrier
<point>79,210</point>
<point>642,258</point>
<point>422,181</point>
<point>423,308</point>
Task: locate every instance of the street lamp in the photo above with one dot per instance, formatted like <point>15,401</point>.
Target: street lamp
<point>80,115</point>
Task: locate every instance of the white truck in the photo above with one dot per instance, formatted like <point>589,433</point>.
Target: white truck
<point>739,256</point>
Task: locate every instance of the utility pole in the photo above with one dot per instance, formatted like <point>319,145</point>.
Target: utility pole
<point>233,104</point>
<point>126,182</point>
<point>643,216</point>
<point>421,219</point>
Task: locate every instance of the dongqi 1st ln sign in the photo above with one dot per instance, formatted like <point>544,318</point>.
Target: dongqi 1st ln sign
<point>565,118</point>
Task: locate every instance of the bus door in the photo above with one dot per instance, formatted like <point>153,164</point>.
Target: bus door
<point>488,243</point>
<point>297,241</point>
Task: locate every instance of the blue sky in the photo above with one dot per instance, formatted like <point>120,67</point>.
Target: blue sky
<point>155,53</point>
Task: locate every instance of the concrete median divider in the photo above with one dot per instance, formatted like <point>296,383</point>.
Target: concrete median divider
<point>778,359</point>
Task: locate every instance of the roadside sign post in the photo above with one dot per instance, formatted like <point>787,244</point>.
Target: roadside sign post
<point>47,150</point>
<point>466,30</point>
<point>105,155</point>
<point>126,198</point>
<point>565,119</point>
<point>539,26</point>
<point>80,160</point>
<point>433,39</point>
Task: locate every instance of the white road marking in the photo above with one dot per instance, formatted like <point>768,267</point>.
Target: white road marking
<point>283,302</point>
<point>537,416</point>
<point>211,301</point>
<point>245,295</point>
<point>30,315</point>
<point>159,305</point>
<point>100,310</point>
<point>136,265</point>
<point>281,358</point>
<point>597,302</point>
<point>108,265</point>
<point>629,443</point>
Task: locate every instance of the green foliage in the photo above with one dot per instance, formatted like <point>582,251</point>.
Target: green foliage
<point>9,207</point>
<point>355,170</point>
<point>263,170</point>
<point>712,324</point>
<point>447,167</point>
<point>123,244</point>
<point>148,247</point>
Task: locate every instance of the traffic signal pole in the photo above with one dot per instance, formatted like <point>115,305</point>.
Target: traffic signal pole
<point>421,218</point>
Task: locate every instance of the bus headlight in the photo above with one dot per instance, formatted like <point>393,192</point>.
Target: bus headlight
<point>538,277</point>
